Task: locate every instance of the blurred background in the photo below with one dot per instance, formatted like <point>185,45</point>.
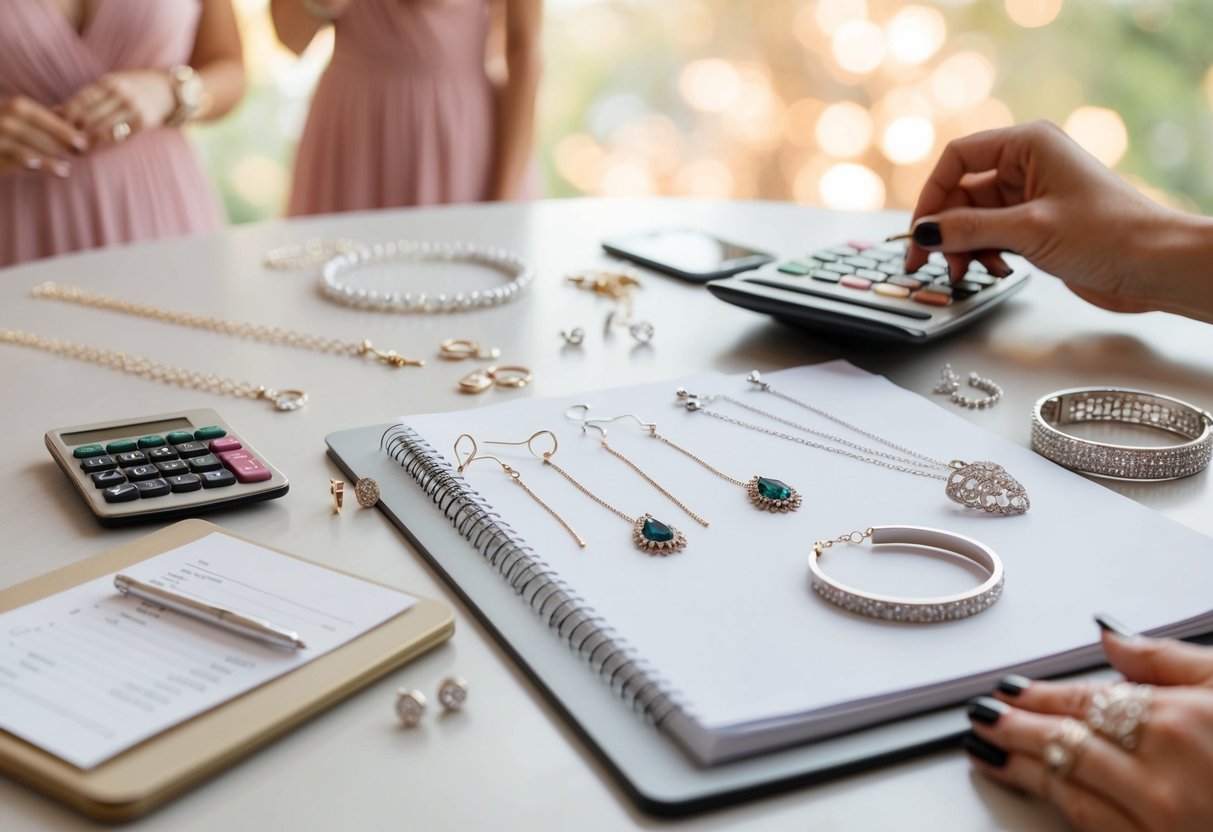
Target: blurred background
<point>841,103</point>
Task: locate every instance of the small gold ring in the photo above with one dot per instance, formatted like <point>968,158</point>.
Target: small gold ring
<point>367,492</point>
<point>1065,746</point>
<point>337,489</point>
<point>520,377</point>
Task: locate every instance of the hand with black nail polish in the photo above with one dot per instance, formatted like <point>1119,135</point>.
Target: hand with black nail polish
<point>1033,191</point>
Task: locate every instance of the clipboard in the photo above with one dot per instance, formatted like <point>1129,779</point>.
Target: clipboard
<point>152,772</point>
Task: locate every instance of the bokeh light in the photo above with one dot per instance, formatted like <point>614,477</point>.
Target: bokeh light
<point>832,15</point>
<point>710,85</point>
<point>915,34</point>
<point>908,140</point>
<point>1100,131</point>
<point>1032,14</point>
<point>844,130</point>
<point>858,46</point>
<point>963,79</point>
<point>851,187</point>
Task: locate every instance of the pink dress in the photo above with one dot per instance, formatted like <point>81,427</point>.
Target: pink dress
<point>149,186</point>
<point>404,113</point>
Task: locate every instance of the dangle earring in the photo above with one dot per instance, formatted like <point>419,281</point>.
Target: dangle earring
<point>473,455</point>
<point>764,493</point>
<point>648,533</point>
<point>949,385</point>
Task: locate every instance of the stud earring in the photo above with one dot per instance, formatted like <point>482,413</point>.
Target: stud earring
<point>573,337</point>
<point>410,707</point>
<point>366,490</point>
<point>452,693</point>
<point>337,490</point>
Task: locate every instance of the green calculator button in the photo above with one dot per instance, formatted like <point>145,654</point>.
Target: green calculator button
<point>151,441</point>
<point>795,267</point>
<point>121,446</point>
<point>179,436</point>
<point>209,432</point>
<point>85,451</point>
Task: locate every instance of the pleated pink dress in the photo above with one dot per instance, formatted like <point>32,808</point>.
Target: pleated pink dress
<point>147,187</point>
<point>403,115</point>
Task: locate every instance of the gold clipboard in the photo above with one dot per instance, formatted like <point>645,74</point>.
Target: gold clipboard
<point>150,773</point>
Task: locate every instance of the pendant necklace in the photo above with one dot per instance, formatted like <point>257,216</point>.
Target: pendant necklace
<point>982,486</point>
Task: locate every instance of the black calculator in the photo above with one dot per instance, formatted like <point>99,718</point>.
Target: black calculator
<point>861,289</point>
<point>163,467</point>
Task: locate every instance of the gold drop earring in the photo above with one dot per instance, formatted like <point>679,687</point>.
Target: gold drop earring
<point>764,493</point>
<point>474,454</point>
<point>649,534</point>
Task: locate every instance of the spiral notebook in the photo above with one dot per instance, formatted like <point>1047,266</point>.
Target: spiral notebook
<point>723,646</point>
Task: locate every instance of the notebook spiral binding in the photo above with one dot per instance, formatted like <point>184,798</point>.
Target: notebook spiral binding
<point>566,614</point>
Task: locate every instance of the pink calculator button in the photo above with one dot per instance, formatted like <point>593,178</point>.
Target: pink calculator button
<point>245,466</point>
<point>855,282</point>
<point>227,443</point>
<point>859,245</point>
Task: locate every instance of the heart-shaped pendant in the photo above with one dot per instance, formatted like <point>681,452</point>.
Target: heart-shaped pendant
<point>986,486</point>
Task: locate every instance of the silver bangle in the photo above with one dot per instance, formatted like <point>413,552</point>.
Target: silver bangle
<point>333,286</point>
<point>915,610</point>
<point>1133,407</point>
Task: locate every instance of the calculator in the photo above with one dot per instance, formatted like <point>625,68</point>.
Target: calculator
<point>861,289</point>
<point>163,467</point>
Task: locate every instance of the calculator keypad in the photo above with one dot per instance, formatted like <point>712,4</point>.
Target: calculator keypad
<point>164,468</point>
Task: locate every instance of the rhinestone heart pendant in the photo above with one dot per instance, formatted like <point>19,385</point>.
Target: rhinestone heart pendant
<point>986,486</point>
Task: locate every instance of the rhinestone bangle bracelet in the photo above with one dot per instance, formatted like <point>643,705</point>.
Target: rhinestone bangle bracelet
<point>913,610</point>
<point>1133,407</point>
<point>333,286</point>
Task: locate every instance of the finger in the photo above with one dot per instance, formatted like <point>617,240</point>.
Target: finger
<point>82,101</point>
<point>980,152</point>
<point>32,160</point>
<point>1057,698</point>
<point>917,255</point>
<point>104,114</point>
<point>1159,661</point>
<point>105,130</point>
<point>41,129</point>
<point>1083,809</point>
<point>1016,228</point>
<point>994,263</point>
<point>1101,767</point>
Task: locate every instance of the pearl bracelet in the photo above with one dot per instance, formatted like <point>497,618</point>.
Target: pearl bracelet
<point>333,287</point>
<point>912,610</point>
<point>1134,407</point>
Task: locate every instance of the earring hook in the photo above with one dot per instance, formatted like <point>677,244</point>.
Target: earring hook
<point>529,442</point>
<point>475,455</point>
<point>651,427</point>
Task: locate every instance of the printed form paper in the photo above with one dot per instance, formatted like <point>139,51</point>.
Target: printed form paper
<point>88,673</point>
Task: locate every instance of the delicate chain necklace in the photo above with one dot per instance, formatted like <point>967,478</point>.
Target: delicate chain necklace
<point>313,252</point>
<point>155,371</point>
<point>984,486</point>
<point>254,332</point>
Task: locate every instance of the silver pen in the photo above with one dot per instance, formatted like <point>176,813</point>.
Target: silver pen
<point>247,626</point>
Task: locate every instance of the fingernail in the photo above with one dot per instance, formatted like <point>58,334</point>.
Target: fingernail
<point>32,163</point>
<point>986,752</point>
<point>985,710</point>
<point>1013,684</point>
<point>1111,625</point>
<point>1003,270</point>
<point>61,169</point>
<point>927,234</point>
<point>80,143</point>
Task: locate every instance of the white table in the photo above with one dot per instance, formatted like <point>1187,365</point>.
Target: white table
<point>508,761</point>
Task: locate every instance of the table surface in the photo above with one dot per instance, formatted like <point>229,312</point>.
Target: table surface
<point>508,761</point>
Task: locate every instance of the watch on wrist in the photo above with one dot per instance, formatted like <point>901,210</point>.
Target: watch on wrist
<point>189,94</point>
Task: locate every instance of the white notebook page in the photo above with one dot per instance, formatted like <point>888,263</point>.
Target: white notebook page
<point>87,673</point>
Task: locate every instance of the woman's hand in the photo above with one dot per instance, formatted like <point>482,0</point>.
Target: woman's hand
<point>1162,784</point>
<point>34,138</point>
<point>1033,191</point>
<point>141,98</point>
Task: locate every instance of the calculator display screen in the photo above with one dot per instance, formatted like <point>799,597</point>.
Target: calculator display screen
<point>89,437</point>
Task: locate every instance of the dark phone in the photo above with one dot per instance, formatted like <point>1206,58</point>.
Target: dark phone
<point>687,253</point>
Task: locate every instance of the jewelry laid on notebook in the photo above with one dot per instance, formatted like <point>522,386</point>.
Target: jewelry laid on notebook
<point>1055,411</point>
<point>913,610</point>
<point>510,376</point>
<point>410,707</point>
<point>982,486</point>
<point>312,253</point>
<point>474,454</point>
<point>337,491</point>
<point>366,490</point>
<point>283,400</point>
<point>949,385</point>
<point>333,283</point>
<point>764,493</point>
<point>648,533</point>
<point>254,332</point>
<point>452,693</point>
<point>457,349</point>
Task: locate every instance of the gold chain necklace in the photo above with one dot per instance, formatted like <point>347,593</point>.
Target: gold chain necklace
<point>155,371</point>
<point>254,332</point>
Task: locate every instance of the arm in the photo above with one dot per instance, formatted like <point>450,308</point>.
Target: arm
<point>296,22</point>
<point>218,58</point>
<point>515,133</point>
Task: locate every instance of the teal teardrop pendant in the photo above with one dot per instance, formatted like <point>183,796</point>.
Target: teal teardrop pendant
<point>656,538</point>
<point>772,495</point>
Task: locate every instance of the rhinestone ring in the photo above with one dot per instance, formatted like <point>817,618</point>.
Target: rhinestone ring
<point>1063,749</point>
<point>1133,407</point>
<point>120,132</point>
<point>1118,711</point>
